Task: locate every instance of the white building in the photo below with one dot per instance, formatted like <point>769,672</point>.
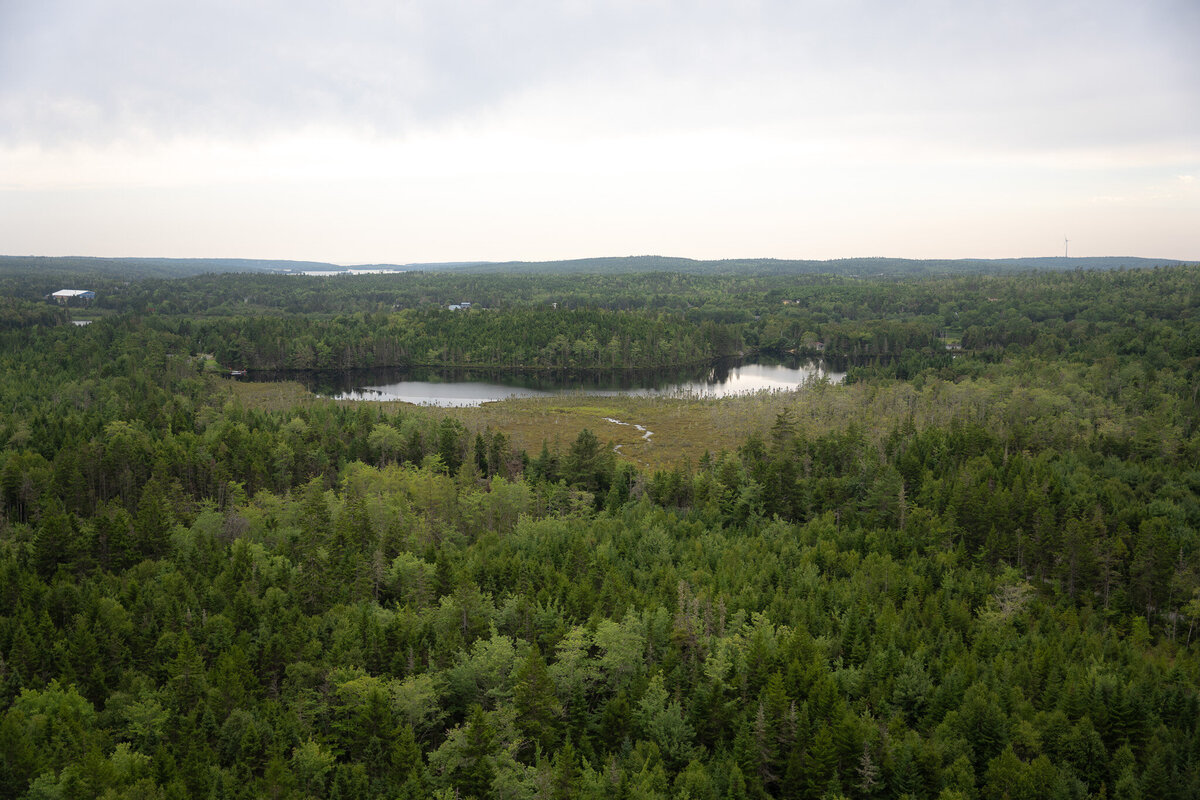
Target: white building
<point>66,295</point>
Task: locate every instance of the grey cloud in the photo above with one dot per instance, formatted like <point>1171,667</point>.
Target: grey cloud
<point>1021,72</point>
<point>81,70</point>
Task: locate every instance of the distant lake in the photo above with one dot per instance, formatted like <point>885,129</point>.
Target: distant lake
<point>448,388</point>
<point>329,273</point>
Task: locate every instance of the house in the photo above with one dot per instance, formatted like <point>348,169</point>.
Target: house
<point>65,295</point>
<point>459,306</point>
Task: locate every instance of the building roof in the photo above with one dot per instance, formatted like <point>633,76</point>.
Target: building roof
<point>72,292</point>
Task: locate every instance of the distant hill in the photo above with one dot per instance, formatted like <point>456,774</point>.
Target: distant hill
<point>863,267</point>
<point>81,267</point>
<point>84,266</point>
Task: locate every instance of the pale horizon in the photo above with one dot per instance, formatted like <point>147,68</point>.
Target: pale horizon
<point>485,261</point>
<point>458,131</point>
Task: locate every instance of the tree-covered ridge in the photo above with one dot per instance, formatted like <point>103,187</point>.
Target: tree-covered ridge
<point>660,319</point>
<point>853,267</point>
<point>125,268</point>
<point>737,292</point>
<point>521,338</point>
<point>967,574</point>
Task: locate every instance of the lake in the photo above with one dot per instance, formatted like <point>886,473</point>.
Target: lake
<point>448,388</point>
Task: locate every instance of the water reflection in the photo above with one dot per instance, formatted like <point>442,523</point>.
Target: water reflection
<point>448,388</point>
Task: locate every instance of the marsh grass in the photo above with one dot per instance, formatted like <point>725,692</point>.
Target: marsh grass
<point>685,428</point>
<point>682,429</point>
<point>268,396</point>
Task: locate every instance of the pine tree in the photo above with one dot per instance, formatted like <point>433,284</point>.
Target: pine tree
<point>477,769</point>
<point>537,708</point>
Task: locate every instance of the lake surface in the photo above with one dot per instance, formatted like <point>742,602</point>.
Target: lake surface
<point>330,273</point>
<point>464,388</point>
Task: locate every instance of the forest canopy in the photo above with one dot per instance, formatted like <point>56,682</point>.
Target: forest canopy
<point>972,571</point>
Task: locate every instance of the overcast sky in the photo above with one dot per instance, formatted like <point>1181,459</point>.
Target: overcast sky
<point>361,131</point>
